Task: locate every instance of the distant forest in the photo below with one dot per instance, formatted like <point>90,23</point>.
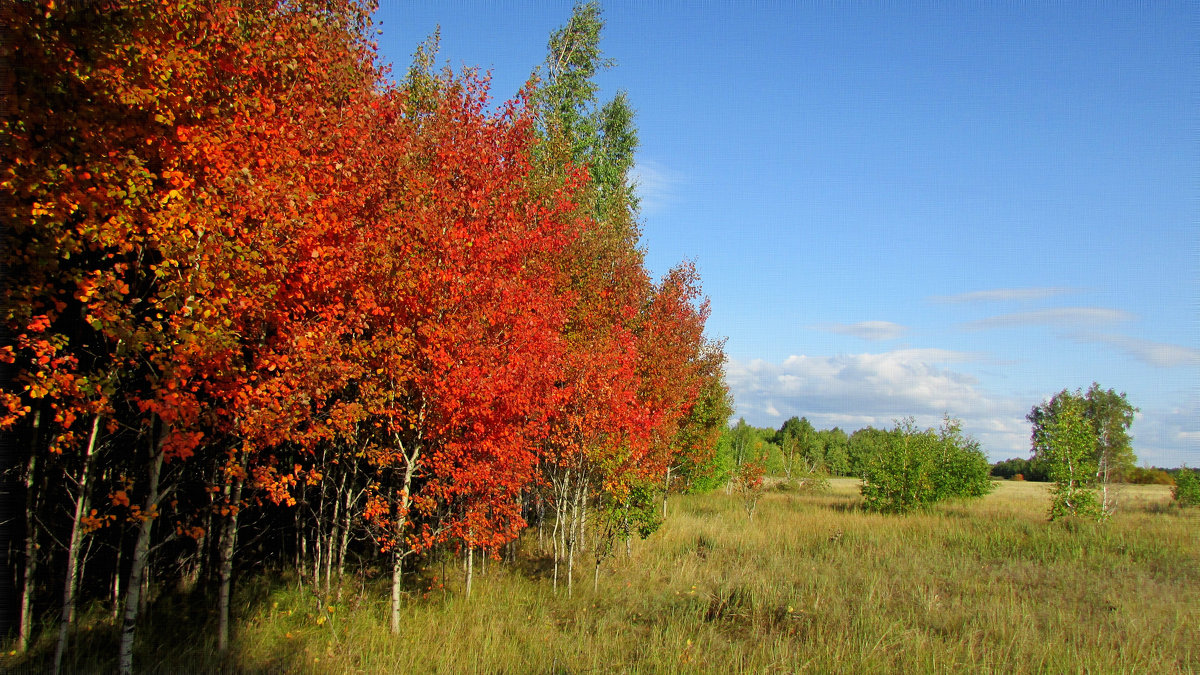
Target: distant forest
<point>806,448</point>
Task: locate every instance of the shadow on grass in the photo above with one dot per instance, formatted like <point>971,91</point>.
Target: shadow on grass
<point>176,634</point>
<point>847,507</point>
<point>534,566</point>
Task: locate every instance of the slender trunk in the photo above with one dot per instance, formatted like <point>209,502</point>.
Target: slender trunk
<point>558,535</point>
<point>398,544</point>
<point>573,539</point>
<point>625,529</point>
<point>141,556</point>
<point>116,586</point>
<point>334,545</point>
<point>318,534</point>
<point>81,509</point>
<point>31,544</point>
<point>666,491</point>
<point>301,545</point>
<point>583,513</point>
<point>596,578</point>
<point>344,544</point>
<point>397,576</point>
<point>541,519</point>
<point>470,567</point>
<point>228,542</point>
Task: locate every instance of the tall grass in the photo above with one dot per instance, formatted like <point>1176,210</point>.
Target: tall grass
<point>813,584</point>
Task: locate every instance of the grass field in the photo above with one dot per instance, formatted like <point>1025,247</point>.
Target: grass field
<point>813,584</point>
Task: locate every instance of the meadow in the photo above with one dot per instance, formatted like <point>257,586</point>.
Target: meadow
<point>812,584</point>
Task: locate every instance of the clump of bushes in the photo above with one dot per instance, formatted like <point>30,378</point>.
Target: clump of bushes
<point>915,468</point>
<point>1187,487</point>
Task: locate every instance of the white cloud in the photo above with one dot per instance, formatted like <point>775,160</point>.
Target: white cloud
<point>853,391</point>
<point>1003,295</point>
<point>1060,317</point>
<point>857,390</point>
<point>867,330</point>
<point>655,185</point>
<point>1168,438</point>
<point>1158,354</point>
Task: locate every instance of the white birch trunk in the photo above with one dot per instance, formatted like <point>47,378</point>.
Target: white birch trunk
<point>69,583</point>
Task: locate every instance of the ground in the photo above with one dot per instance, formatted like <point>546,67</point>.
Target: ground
<point>812,584</point>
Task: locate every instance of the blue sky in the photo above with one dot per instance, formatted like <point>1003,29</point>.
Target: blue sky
<point>904,209</point>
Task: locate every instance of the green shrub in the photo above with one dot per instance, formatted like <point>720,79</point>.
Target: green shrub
<point>1187,487</point>
<point>915,468</point>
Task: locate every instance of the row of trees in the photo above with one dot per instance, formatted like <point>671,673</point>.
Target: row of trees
<point>902,468</point>
<point>1080,442</point>
<point>255,290</point>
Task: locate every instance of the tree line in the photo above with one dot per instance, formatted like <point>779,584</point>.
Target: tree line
<point>1079,441</point>
<point>265,306</point>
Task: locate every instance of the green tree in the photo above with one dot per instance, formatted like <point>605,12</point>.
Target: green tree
<point>836,446</point>
<point>742,441</point>
<point>1010,467</point>
<point>1109,416</point>
<point>863,445</point>
<point>793,439</point>
<point>1068,442</point>
<point>581,132</point>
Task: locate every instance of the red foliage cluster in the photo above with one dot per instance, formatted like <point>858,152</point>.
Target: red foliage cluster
<point>235,243</point>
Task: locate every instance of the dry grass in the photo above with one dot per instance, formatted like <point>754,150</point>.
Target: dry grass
<point>813,584</point>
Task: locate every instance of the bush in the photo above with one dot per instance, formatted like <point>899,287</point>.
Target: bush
<point>1187,487</point>
<point>915,468</point>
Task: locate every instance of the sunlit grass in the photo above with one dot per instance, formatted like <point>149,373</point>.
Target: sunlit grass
<point>812,584</point>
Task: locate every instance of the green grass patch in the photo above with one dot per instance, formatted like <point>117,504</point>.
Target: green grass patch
<point>813,584</point>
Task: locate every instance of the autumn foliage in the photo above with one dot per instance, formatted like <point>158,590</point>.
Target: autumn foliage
<point>372,317</point>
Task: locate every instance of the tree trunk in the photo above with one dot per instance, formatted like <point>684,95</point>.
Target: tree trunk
<point>581,538</point>
<point>344,544</point>
<point>558,535</point>
<point>397,545</point>
<point>575,533</point>
<point>666,491</point>
<point>141,556</point>
<point>470,567</point>
<point>332,545</point>
<point>541,518</point>
<point>81,509</point>
<point>319,535</point>
<point>25,621</point>
<point>228,542</point>
<point>116,586</point>
<point>397,576</point>
<point>301,545</point>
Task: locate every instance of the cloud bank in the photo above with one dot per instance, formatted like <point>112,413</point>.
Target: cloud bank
<point>1004,295</point>
<point>867,330</point>
<point>874,389</point>
<point>1058,317</point>
<point>1158,354</point>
